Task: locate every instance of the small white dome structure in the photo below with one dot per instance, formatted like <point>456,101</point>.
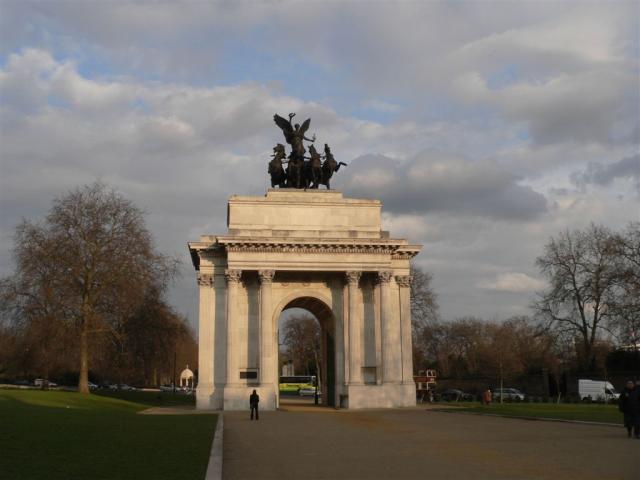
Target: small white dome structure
<point>186,378</point>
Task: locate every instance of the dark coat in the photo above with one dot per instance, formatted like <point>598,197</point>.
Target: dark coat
<point>634,402</point>
<point>254,399</point>
<point>624,404</point>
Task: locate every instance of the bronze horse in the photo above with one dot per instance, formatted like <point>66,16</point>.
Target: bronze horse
<point>276,170</point>
<point>313,169</point>
<point>329,166</point>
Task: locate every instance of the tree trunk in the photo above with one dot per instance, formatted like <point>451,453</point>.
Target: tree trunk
<point>501,384</point>
<point>83,382</point>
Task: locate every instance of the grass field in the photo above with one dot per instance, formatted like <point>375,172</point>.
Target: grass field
<point>564,411</point>
<point>152,399</point>
<point>63,435</point>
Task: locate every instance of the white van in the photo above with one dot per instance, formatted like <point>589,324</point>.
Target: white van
<point>596,391</point>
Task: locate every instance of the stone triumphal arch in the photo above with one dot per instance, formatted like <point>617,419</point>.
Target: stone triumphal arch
<point>314,250</point>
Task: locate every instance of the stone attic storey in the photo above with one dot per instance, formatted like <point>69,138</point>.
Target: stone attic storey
<point>308,249</point>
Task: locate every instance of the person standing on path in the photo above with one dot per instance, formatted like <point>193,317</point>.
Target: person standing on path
<point>254,399</point>
<point>487,397</point>
<point>624,405</point>
<point>634,409</point>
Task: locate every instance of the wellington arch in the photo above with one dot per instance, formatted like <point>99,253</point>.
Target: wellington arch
<point>316,250</point>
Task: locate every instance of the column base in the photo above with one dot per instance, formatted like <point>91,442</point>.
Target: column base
<point>381,396</point>
<point>209,397</point>
<point>236,397</point>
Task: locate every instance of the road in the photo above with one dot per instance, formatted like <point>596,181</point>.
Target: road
<point>306,442</point>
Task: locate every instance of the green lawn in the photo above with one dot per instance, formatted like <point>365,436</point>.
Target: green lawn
<point>64,435</point>
<point>152,399</point>
<point>565,411</point>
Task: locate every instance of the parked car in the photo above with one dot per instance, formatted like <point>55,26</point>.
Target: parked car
<point>125,387</point>
<point>39,382</point>
<point>92,386</point>
<point>455,395</point>
<point>308,391</point>
<point>508,394</point>
<point>166,388</point>
<point>121,386</point>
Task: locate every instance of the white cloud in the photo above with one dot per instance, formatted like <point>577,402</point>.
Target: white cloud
<point>173,105</point>
<point>512,282</point>
<point>381,106</point>
<point>436,182</point>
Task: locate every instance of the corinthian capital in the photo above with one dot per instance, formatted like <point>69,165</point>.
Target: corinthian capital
<point>385,276</point>
<point>353,277</point>
<point>403,280</point>
<point>232,275</point>
<point>266,276</point>
<point>205,280</point>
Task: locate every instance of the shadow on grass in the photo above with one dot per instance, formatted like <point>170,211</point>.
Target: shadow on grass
<point>576,412</point>
<point>151,399</point>
<point>81,437</point>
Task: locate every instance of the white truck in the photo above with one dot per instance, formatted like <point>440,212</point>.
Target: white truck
<point>596,391</point>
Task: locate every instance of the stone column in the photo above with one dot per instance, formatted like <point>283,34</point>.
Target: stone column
<point>355,330</point>
<point>378,331</point>
<point>391,360</point>
<point>233,280</point>
<point>267,376</point>
<point>336,284</point>
<point>206,329</point>
<point>404,282</point>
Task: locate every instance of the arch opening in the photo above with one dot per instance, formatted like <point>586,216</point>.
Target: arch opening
<point>306,352</point>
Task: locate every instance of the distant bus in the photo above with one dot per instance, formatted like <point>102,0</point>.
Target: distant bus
<point>294,383</point>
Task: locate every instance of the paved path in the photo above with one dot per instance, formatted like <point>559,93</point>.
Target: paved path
<point>311,443</point>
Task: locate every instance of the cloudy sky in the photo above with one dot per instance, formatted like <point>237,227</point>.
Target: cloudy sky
<point>484,127</point>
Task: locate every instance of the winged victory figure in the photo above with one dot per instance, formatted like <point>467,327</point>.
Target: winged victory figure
<point>294,134</point>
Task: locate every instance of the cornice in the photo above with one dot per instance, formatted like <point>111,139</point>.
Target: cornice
<point>304,248</point>
<point>398,249</point>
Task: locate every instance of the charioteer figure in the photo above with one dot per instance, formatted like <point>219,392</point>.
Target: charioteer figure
<point>295,136</point>
<point>300,174</point>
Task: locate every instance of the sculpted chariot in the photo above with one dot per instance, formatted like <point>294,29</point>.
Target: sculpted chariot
<point>301,172</point>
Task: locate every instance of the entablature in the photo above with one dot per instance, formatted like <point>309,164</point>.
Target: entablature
<point>312,251</point>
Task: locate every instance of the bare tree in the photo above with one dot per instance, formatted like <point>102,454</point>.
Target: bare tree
<point>151,337</point>
<point>501,357</point>
<point>89,262</point>
<point>424,318</point>
<point>581,268</point>
<point>624,311</point>
<point>452,347</point>
<point>424,301</point>
<point>301,336</point>
<point>472,347</point>
<point>29,302</point>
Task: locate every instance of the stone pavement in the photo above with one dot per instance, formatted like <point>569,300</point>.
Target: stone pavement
<point>306,442</point>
